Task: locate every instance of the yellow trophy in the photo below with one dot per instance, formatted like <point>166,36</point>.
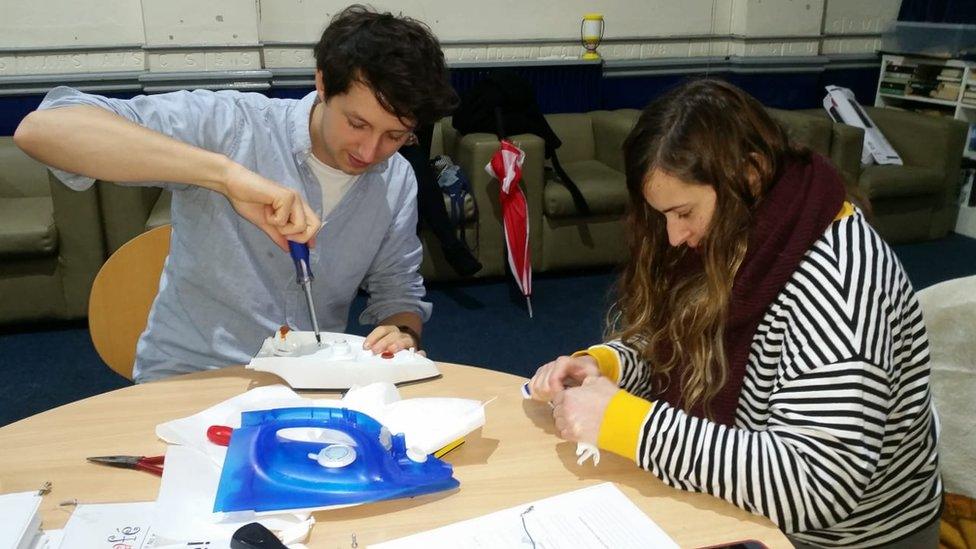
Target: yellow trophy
<point>591,33</point>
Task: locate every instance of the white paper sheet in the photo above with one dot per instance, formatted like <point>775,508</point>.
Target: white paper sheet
<point>20,523</point>
<point>52,539</point>
<point>109,525</point>
<point>184,507</point>
<point>598,516</point>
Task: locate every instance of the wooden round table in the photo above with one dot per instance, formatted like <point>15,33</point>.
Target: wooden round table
<point>514,459</point>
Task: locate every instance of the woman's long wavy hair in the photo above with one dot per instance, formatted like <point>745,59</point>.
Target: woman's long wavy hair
<point>705,132</point>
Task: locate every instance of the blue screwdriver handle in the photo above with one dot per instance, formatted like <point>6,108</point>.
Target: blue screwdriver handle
<point>299,253</point>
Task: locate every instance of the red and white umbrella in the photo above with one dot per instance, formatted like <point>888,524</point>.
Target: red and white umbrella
<point>506,166</point>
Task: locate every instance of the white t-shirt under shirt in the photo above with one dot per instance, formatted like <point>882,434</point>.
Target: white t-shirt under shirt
<point>335,183</point>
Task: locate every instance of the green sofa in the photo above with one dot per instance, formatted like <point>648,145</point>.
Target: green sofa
<point>51,243</point>
<point>591,155</point>
<point>916,201</point>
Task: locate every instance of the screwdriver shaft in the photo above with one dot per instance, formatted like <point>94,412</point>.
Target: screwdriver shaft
<point>311,309</point>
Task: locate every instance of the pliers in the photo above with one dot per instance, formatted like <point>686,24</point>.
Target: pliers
<point>217,434</point>
<point>152,464</point>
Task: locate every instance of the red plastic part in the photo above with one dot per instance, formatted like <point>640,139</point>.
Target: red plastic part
<point>219,434</point>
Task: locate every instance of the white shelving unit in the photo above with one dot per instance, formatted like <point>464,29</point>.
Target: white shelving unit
<point>937,86</point>
<point>953,81</point>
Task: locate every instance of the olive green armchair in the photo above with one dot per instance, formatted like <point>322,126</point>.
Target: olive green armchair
<point>51,242</point>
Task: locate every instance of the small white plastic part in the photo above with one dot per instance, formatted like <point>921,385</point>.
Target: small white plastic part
<point>341,348</point>
<point>386,439</point>
<point>586,451</point>
<point>334,456</point>
<point>416,456</point>
<point>283,345</point>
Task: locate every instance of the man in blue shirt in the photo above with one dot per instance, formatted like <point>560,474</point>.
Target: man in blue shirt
<point>248,173</point>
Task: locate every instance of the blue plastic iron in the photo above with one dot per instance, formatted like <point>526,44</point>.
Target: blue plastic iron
<point>352,459</point>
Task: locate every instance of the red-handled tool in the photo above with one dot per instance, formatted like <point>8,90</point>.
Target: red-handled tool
<point>152,465</point>
<point>219,434</point>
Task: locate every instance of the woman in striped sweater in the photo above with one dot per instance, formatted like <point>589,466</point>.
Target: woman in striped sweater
<point>766,346</point>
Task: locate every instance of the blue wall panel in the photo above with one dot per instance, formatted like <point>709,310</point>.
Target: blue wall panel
<point>635,92</point>
<point>13,108</point>
<point>938,11</point>
<point>800,90</point>
<point>782,90</point>
<point>580,88</point>
<point>289,93</point>
<point>559,88</point>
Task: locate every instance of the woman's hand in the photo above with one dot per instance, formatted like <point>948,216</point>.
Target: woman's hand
<point>578,412</point>
<point>566,371</point>
<point>280,212</point>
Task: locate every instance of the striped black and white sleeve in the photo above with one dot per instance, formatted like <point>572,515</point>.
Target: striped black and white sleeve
<point>635,375</point>
<point>807,470</point>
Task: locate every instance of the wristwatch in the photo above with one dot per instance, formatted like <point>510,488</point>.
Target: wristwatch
<point>413,334</point>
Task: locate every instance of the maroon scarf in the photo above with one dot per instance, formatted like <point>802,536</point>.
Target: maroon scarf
<point>793,215</point>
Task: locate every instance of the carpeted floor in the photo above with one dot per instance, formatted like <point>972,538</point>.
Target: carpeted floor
<point>481,323</point>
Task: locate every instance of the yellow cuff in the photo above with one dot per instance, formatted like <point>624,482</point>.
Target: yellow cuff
<point>606,360</point>
<point>622,422</point>
<point>846,209</point>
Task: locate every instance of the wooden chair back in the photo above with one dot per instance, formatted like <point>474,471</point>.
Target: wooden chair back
<point>121,296</point>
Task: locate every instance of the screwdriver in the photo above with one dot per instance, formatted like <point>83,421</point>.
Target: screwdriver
<point>299,253</point>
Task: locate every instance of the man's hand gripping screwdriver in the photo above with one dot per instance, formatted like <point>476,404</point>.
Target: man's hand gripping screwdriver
<point>299,253</point>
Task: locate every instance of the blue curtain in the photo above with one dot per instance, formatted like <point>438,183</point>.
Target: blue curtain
<point>938,11</point>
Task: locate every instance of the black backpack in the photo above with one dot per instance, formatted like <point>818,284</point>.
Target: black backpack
<point>504,104</point>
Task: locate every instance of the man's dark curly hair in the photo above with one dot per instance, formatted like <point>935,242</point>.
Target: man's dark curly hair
<point>397,57</point>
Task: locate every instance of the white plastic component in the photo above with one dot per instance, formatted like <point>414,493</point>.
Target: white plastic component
<point>416,456</point>
<point>340,363</point>
<point>386,439</point>
<point>285,344</point>
<point>586,451</point>
<point>429,424</point>
<point>334,456</point>
<point>341,349</point>
<point>842,107</point>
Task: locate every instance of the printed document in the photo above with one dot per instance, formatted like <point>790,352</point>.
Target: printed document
<point>598,516</point>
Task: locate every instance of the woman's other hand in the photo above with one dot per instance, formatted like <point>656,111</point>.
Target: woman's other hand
<point>566,371</point>
<point>578,412</point>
